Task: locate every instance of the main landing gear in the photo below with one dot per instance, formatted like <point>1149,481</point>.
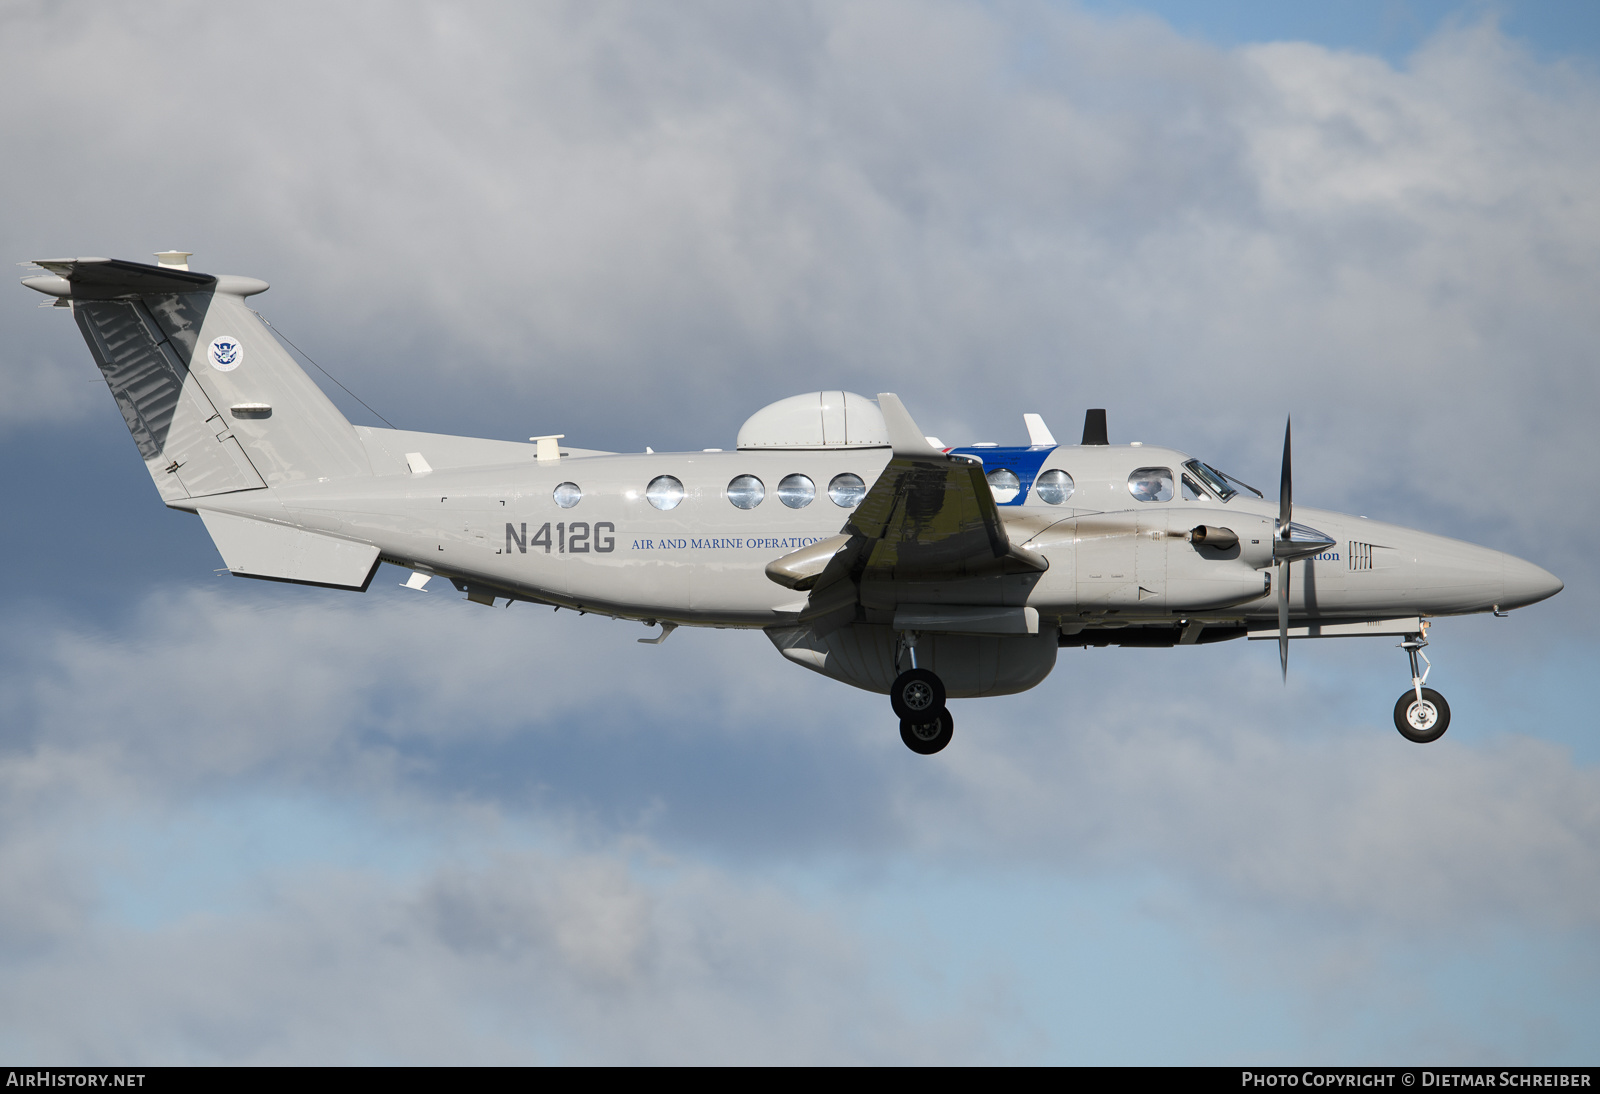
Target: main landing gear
<point>917,696</point>
<point>1420,714</point>
<point>926,738</point>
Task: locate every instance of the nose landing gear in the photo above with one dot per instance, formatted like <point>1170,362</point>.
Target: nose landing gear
<point>1420,714</point>
<point>917,696</point>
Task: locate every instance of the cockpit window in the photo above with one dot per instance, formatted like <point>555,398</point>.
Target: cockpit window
<point>1222,484</point>
<point>1151,484</point>
<point>1219,486</point>
<point>1191,490</point>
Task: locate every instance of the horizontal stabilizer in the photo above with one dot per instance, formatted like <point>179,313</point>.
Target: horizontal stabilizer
<point>111,277</point>
<point>277,552</point>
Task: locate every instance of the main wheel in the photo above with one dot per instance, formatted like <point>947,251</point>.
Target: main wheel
<point>1421,722</point>
<point>926,738</point>
<point>916,694</point>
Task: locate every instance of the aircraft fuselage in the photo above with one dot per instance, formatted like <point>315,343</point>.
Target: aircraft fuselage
<point>703,562</point>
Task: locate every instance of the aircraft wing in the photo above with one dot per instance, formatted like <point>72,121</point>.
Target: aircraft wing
<point>929,517</point>
<point>932,516</point>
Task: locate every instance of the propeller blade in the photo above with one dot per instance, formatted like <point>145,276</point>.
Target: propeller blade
<point>1283,618</point>
<point>1285,511</point>
<point>1285,488</point>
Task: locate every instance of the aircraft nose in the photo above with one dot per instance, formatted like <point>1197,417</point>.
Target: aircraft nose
<point>1524,583</point>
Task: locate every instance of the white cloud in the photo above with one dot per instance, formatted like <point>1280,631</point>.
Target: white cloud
<point>1253,801</point>
<point>376,694</point>
<point>706,211</point>
<point>526,958</point>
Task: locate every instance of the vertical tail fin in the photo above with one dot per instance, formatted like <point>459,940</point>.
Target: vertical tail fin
<point>214,403</point>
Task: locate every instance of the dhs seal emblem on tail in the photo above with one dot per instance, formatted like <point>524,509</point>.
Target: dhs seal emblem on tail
<point>226,353</point>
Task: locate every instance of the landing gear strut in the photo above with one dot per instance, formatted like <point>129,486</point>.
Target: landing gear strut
<point>1420,714</point>
<point>917,696</point>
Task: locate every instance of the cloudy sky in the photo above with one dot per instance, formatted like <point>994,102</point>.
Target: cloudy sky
<point>244,822</point>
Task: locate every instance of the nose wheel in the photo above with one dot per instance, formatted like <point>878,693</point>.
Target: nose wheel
<point>1421,718</point>
<point>1420,714</point>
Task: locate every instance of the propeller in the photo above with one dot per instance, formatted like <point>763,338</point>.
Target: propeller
<point>1285,510</point>
<point>1292,543</point>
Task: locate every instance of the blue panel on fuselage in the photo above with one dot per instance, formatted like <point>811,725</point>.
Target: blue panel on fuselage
<point>1024,463</point>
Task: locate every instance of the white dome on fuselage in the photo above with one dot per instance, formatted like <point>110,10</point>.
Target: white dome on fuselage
<point>818,419</point>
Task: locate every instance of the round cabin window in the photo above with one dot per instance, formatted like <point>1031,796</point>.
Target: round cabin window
<point>796,491</point>
<point>847,490</point>
<point>1003,485</point>
<point>664,492</point>
<point>1054,486</point>
<point>746,491</point>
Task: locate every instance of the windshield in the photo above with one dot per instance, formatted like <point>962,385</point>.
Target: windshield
<point>1222,484</point>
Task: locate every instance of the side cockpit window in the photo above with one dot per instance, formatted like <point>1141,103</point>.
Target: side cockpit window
<point>1220,483</point>
<point>1151,484</point>
<point>1214,480</point>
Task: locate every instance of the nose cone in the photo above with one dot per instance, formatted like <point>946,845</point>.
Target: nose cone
<point>1524,583</point>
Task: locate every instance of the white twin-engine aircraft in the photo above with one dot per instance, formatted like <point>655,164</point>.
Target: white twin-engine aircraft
<point>865,550</point>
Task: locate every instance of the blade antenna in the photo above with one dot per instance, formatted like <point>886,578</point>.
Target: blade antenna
<point>1094,427</point>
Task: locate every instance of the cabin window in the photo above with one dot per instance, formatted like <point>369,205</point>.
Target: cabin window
<point>664,492</point>
<point>746,491</point>
<point>1003,484</point>
<point>796,491</point>
<point>1053,487</point>
<point>1151,484</point>
<point>567,495</point>
<point>847,490</point>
